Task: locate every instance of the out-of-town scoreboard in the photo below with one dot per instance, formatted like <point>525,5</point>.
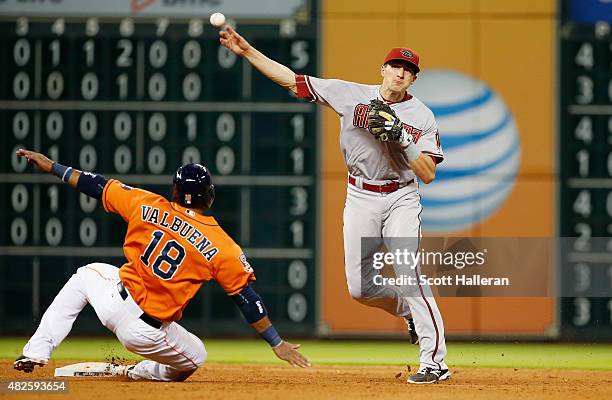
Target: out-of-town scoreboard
<point>133,90</point>
<point>585,166</point>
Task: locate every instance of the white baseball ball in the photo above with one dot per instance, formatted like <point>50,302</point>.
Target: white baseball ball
<point>217,19</point>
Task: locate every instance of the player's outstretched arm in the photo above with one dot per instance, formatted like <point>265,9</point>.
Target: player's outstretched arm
<point>273,70</point>
<point>86,182</point>
<point>254,310</point>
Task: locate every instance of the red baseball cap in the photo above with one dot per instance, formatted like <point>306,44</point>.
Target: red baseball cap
<point>403,54</point>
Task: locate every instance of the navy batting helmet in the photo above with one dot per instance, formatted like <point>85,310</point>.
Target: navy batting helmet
<point>193,186</point>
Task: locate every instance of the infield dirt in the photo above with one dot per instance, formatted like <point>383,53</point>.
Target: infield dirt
<point>264,381</point>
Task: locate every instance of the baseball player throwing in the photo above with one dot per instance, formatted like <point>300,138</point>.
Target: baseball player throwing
<point>389,140</point>
<point>171,249</point>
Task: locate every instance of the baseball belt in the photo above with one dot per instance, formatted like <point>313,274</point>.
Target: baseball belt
<point>386,188</point>
<point>146,318</point>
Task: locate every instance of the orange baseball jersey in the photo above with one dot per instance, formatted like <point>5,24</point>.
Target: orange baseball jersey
<point>171,251</point>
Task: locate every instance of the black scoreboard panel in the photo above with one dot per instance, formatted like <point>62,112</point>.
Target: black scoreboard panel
<point>585,85</point>
<point>134,99</point>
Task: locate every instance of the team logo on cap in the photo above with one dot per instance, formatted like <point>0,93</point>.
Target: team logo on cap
<point>406,53</point>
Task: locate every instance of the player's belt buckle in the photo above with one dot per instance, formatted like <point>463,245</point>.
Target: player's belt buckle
<point>388,187</point>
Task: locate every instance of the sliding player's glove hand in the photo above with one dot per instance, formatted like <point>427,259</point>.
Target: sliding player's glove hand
<point>383,122</point>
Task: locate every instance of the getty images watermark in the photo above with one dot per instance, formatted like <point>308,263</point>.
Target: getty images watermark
<point>459,266</point>
<point>412,259</point>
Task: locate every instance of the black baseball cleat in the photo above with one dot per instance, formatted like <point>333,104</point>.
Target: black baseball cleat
<point>25,364</point>
<point>414,338</point>
<point>429,375</point>
<point>445,375</point>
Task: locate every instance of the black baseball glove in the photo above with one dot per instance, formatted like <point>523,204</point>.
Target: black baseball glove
<point>383,122</point>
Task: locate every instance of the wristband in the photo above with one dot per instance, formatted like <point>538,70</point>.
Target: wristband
<point>271,336</point>
<point>61,171</point>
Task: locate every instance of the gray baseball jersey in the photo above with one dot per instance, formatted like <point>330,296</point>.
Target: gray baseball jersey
<point>365,156</point>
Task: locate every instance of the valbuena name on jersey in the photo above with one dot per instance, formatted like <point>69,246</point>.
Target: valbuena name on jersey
<point>183,228</point>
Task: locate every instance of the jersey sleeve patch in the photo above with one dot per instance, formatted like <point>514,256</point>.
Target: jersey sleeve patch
<point>234,272</point>
<point>247,267</point>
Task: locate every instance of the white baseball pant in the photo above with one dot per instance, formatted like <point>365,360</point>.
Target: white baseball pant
<point>173,352</point>
<point>390,216</point>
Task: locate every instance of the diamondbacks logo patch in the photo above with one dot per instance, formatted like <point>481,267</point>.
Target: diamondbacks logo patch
<point>406,53</point>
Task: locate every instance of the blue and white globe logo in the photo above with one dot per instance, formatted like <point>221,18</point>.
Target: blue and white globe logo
<point>481,148</point>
